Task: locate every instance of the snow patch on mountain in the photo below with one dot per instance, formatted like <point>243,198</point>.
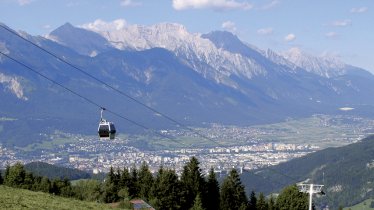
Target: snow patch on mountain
<point>13,84</point>
<point>325,66</point>
<point>192,48</point>
<point>279,59</point>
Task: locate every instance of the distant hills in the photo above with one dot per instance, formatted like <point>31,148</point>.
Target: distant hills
<point>56,172</point>
<point>347,173</point>
<point>196,79</point>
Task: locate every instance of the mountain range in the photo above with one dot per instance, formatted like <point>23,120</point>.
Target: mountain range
<point>196,79</point>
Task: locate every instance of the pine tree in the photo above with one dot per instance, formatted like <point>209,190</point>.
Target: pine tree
<point>110,188</point>
<point>15,175</point>
<point>197,205</point>
<point>232,192</point>
<point>291,199</point>
<point>125,179</point>
<point>134,183</point>
<point>271,203</point>
<point>261,202</point>
<point>145,181</point>
<point>45,185</point>
<point>212,201</point>
<point>7,169</point>
<point>28,182</point>
<point>252,205</point>
<point>166,191</point>
<point>193,183</point>
<point>1,178</point>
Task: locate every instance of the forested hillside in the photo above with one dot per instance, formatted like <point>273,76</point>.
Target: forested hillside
<point>347,173</point>
<point>54,172</point>
<point>165,190</point>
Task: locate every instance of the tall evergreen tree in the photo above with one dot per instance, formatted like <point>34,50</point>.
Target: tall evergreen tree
<point>166,191</point>
<point>232,192</point>
<point>1,178</point>
<point>156,184</point>
<point>271,203</point>
<point>7,169</point>
<point>291,199</point>
<point>29,181</point>
<point>193,182</point>
<point>197,205</point>
<point>15,175</point>
<point>110,187</point>
<point>145,181</point>
<point>261,202</point>
<point>125,179</point>
<point>134,183</point>
<point>213,199</point>
<point>252,205</point>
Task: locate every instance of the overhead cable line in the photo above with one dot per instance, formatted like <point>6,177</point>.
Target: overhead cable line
<point>87,99</point>
<point>111,87</point>
<point>118,91</point>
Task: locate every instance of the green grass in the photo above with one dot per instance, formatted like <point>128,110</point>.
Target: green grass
<point>306,130</point>
<point>365,205</point>
<point>12,198</point>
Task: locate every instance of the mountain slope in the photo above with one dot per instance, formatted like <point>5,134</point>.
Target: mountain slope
<point>195,79</point>
<point>346,172</point>
<point>83,41</point>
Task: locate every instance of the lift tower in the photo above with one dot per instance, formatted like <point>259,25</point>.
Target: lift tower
<point>310,189</point>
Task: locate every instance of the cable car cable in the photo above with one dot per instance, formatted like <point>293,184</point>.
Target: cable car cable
<point>89,100</point>
<point>127,119</point>
<point>111,87</point>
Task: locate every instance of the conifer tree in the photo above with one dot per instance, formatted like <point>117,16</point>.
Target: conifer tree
<point>252,205</point>
<point>232,192</point>
<point>28,182</point>
<point>1,178</point>
<point>167,191</point>
<point>125,179</point>
<point>134,183</point>
<point>193,183</point>
<point>197,205</point>
<point>291,199</point>
<point>261,202</point>
<point>271,203</point>
<point>45,185</point>
<point>145,181</point>
<point>212,201</point>
<point>15,175</point>
<point>110,190</point>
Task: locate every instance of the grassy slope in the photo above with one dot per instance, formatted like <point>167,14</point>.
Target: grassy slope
<point>11,198</point>
<point>365,205</point>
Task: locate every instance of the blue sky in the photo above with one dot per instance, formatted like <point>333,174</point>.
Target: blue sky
<point>342,28</point>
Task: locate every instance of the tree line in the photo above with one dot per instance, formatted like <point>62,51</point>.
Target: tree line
<point>164,190</point>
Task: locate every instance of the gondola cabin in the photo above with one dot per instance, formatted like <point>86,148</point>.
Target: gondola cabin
<point>106,130</point>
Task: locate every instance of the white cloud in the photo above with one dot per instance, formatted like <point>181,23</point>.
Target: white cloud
<point>341,23</point>
<point>358,10</point>
<point>229,26</point>
<point>270,4</point>
<point>290,37</point>
<point>213,4</point>
<point>130,3</point>
<point>47,26</point>
<point>100,25</point>
<point>265,31</point>
<point>331,35</point>
<point>24,2</point>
